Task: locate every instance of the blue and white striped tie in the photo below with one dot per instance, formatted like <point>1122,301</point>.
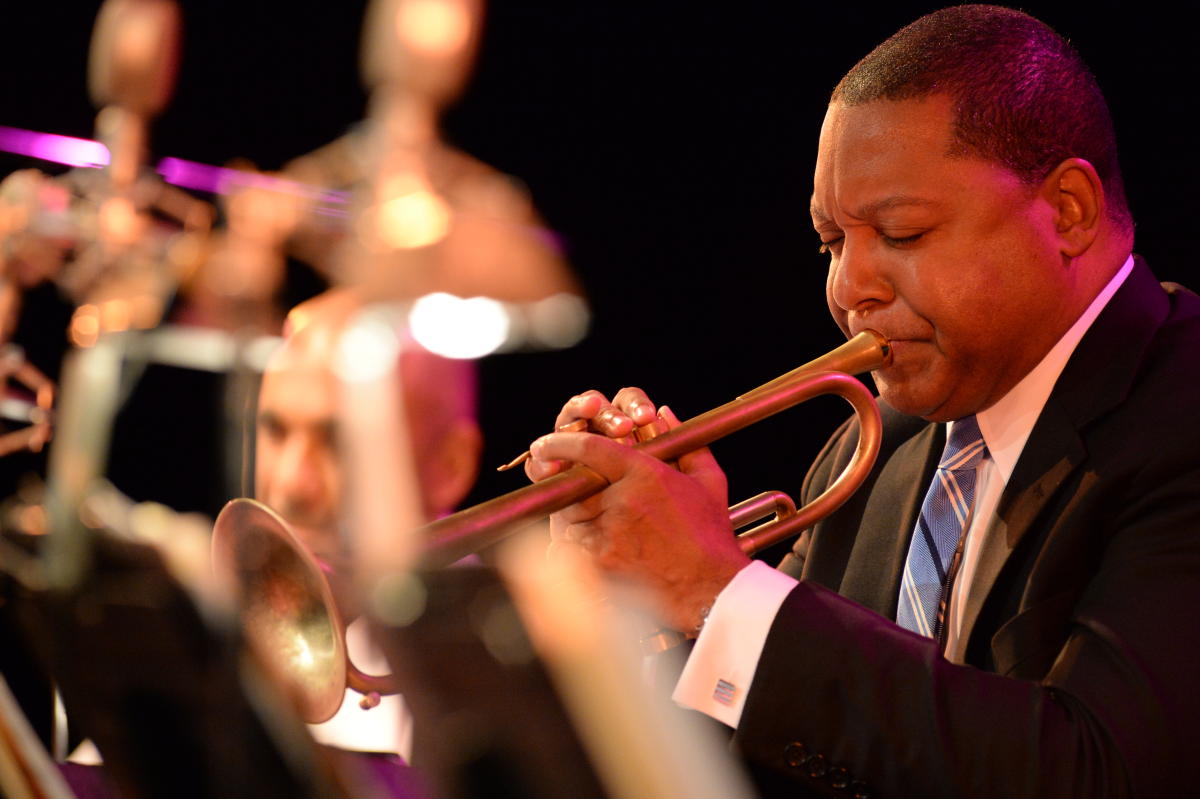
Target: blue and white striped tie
<point>943,514</point>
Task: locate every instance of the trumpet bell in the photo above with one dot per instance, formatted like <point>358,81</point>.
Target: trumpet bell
<point>287,608</point>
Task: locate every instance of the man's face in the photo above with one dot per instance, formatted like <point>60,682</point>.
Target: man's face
<point>953,259</point>
<point>296,458</point>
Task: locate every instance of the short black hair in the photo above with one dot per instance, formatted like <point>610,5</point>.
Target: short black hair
<point>1023,97</point>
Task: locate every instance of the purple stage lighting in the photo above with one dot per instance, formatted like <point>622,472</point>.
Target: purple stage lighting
<point>70,151</point>
<point>66,150</point>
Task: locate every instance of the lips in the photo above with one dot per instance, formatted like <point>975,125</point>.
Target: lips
<point>903,351</point>
<point>902,331</point>
<point>897,342</point>
<point>887,332</point>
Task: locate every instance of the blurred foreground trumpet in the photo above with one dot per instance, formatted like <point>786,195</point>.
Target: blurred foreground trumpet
<point>288,610</point>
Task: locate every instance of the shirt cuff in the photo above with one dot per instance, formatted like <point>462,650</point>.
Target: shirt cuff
<point>719,671</point>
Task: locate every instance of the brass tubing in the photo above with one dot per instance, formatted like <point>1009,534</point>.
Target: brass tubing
<point>755,508</point>
<point>470,530</point>
<point>869,439</point>
<point>864,352</point>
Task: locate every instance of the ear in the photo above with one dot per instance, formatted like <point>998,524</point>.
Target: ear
<point>1076,195</point>
<point>452,466</point>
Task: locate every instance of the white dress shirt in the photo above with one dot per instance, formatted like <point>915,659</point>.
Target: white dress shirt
<point>721,667</point>
<point>388,727</point>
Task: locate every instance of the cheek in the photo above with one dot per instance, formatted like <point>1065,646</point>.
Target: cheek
<point>965,300</point>
<point>264,466</point>
<point>333,484</point>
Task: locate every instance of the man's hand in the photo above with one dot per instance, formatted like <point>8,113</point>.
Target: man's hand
<point>625,419</point>
<point>666,529</point>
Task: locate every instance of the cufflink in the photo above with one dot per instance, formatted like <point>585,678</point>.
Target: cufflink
<point>724,692</point>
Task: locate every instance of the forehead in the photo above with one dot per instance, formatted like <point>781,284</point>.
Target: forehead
<point>298,388</point>
<point>886,152</point>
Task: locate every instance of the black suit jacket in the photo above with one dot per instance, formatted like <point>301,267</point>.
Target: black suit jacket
<point>1075,676</point>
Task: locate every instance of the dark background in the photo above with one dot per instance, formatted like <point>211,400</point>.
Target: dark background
<point>670,144</point>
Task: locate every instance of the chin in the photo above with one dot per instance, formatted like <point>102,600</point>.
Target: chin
<point>927,405</point>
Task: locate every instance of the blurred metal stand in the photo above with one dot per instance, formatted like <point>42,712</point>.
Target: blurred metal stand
<point>642,747</point>
<point>26,771</point>
<point>124,273</point>
<point>426,222</point>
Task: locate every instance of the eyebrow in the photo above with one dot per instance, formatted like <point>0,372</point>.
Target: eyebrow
<point>270,419</point>
<point>870,209</point>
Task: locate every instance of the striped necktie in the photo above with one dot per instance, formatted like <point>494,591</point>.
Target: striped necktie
<point>944,513</point>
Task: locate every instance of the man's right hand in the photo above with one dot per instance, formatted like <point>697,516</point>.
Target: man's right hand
<point>662,528</point>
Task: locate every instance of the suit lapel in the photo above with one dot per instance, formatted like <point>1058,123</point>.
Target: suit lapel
<point>1040,471</point>
<point>889,518</point>
<point>1097,377</point>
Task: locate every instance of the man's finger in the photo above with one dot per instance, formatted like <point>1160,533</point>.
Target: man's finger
<point>602,416</point>
<point>581,406</point>
<point>537,470</point>
<point>586,536</point>
<point>582,511</point>
<point>610,459</point>
<point>636,405</point>
<point>699,463</point>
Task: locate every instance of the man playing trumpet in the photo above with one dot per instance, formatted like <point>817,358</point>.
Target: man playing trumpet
<point>997,612</point>
<point>298,472</point>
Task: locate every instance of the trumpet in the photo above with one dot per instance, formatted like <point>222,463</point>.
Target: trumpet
<point>288,611</point>
<point>468,531</point>
<point>287,605</point>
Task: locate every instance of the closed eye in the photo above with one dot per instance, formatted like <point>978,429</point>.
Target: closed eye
<point>901,241</point>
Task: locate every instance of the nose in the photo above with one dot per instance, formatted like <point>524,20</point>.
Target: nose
<point>857,280</point>
<point>299,479</point>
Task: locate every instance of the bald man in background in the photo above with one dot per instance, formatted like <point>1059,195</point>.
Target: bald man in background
<point>298,472</point>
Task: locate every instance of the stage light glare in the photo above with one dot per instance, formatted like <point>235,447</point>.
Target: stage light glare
<point>459,328</point>
<point>559,321</point>
<point>437,28</point>
<point>416,219</point>
<point>368,348</point>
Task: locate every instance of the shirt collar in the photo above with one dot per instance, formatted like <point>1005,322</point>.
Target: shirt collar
<point>1006,425</point>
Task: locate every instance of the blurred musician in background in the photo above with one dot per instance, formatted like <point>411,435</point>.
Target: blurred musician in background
<point>298,472</point>
<point>1015,622</point>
